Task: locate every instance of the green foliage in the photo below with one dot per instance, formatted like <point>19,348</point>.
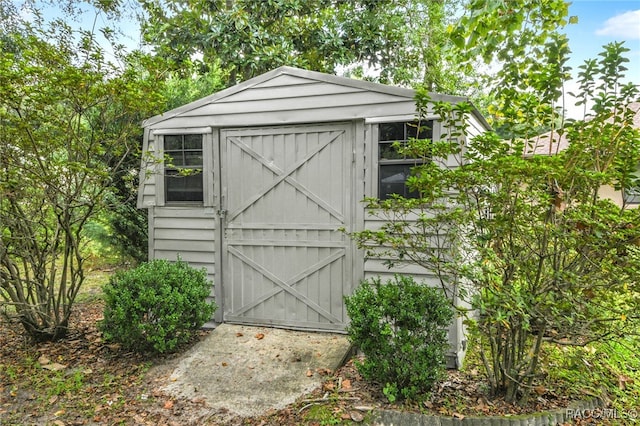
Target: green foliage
<point>68,119</point>
<point>157,306</point>
<point>127,227</point>
<point>530,241</point>
<point>404,40</point>
<point>401,326</point>
<point>608,369</point>
<point>323,415</point>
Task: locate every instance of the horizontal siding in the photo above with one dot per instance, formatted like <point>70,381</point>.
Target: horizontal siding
<point>148,192</point>
<point>309,88</point>
<point>148,169</point>
<point>283,80</point>
<point>188,233</point>
<point>474,127</point>
<point>377,266</point>
<point>292,113</point>
<point>302,101</point>
<point>200,223</point>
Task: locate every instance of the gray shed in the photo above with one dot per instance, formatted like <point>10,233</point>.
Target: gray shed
<point>279,165</point>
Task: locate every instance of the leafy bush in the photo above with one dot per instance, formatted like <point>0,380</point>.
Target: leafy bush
<point>157,306</point>
<point>400,326</point>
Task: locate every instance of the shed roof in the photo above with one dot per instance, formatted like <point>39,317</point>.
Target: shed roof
<point>288,89</point>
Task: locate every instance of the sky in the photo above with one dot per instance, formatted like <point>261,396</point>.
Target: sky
<point>601,22</point>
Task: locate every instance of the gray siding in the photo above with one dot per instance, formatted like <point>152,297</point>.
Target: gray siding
<point>284,97</point>
<point>187,232</point>
<point>148,171</point>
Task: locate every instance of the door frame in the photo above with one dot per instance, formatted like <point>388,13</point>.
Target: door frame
<point>352,271</point>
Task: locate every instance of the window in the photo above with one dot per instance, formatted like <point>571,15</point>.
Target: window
<point>183,168</point>
<point>632,195</point>
<point>395,167</point>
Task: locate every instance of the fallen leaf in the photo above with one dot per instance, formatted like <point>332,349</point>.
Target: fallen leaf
<point>259,336</point>
<point>53,399</point>
<point>59,423</point>
<point>59,413</point>
<point>458,416</point>
<point>345,416</point>
<point>239,334</point>
<point>329,386</point>
<point>168,405</point>
<point>346,384</point>
<point>357,416</point>
<point>54,366</point>
<point>224,364</point>
<point>43,360</point>
<point>540,390</point>
<point>309,373</point>
<point>363,408</point>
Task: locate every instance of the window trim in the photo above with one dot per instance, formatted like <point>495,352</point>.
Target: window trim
<point>156,139</point>
<point>166,168</point>
<point>412,162</point>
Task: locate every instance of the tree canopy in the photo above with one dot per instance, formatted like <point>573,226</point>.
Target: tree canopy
<point>69,118</point>
<point>403,40</point>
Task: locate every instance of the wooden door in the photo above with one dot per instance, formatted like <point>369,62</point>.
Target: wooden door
<point>286,192</point>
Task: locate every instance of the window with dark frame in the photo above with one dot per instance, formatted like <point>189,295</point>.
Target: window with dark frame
<point>394,166</point>
<point>183,168</point>
<point>632,195</point>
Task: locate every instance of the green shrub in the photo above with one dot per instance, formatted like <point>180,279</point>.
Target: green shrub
<point>157,306</point>
<point>401,327</point>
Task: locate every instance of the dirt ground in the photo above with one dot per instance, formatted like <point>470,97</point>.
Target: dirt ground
<point>85,381</point>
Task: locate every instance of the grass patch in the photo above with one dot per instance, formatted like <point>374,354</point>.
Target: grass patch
<point>323,415</point>
<point>608,370</point>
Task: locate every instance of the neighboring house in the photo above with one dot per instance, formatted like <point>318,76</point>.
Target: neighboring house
<point>278,165</point>
<point>551,143</point>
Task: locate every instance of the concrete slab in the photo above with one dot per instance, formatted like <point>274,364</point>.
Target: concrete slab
<point>249,370</point>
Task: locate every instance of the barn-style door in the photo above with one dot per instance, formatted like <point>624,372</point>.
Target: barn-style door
<point>286,192</point>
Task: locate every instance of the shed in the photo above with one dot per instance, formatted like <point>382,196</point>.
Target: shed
<point>277,167</point>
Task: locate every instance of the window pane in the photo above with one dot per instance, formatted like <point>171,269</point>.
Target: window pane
<point>426,130</point>
<point>391,132</point>
<point>193,158</point>
<point>172,142</point>
<point>393,179</point>
<point>387,151</point>
<point>632,196</point>
<point>183,188</point>
<point>192,141</point>
<point>175,158</point>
